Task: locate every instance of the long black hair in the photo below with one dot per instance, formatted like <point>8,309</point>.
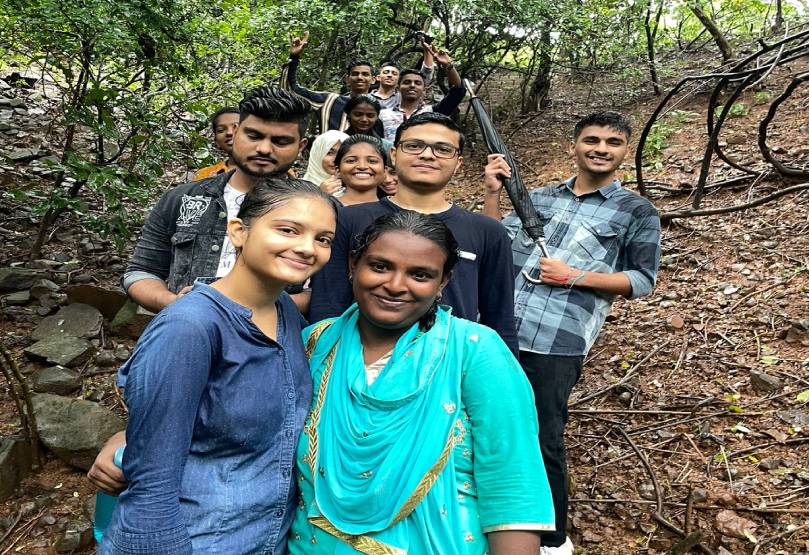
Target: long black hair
<point>429,227</point>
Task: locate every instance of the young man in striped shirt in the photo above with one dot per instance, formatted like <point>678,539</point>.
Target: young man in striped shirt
<point>604,241</point>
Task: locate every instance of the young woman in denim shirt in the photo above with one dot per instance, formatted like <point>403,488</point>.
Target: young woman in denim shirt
<point>217,391</point>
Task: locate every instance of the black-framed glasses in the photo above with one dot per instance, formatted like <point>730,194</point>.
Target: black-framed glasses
<point>440,150</point>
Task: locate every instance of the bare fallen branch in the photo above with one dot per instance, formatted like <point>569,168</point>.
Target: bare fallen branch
<point>668,216</point>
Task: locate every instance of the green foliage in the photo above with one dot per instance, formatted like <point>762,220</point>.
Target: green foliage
<point>762,97</point>
<point>660,132</point>
<point>737,110</point>
<point>140,76</point>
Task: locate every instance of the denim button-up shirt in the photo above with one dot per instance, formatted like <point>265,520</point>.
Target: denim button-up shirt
<point>215,412</point>
<point>609,230</point>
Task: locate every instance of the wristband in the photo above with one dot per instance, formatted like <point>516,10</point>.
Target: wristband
<point>571,282</point>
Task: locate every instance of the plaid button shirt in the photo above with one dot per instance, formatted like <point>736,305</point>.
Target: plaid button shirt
<point>609,230</point>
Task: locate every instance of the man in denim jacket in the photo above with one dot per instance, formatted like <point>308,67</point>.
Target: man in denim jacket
<point>185,234</point>
<point>604,242</point>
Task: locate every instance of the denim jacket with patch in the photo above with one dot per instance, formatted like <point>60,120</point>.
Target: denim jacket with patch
<point>182,238</point>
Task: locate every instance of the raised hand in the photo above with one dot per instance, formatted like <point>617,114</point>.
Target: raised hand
<point>297,44</point>
<point>441,56</point>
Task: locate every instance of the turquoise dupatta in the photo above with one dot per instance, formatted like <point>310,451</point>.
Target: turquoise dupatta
<point>379,452</point>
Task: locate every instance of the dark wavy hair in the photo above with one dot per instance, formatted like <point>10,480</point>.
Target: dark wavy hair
<point>613,120</point>
<point>274,104</point>
<point>272,192</point>
<point>359,138</point>
<point>360,62</point>
<point>411,71</point>
<point>431,117</point>
<point>429,227</point>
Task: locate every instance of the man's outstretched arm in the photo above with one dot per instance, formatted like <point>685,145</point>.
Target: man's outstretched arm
<point>289,74</point>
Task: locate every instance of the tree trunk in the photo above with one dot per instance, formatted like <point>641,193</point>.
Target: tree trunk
<point>650,42</point>
<point>76,100</point>
<point>778,24</point>
<point>323,78</point>
<point>710,25</point>
<point>537,97</point>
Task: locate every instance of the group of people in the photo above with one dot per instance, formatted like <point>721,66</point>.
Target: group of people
<point>423,410</point>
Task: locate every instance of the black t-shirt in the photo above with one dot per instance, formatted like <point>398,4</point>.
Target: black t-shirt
<point>482,284</point>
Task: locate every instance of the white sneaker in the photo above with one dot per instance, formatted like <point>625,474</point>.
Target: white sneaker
<point>564,549</point>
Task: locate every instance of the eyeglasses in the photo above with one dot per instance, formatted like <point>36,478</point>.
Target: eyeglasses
<point>440,150</point>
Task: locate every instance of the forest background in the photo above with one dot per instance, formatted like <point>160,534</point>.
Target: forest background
<point>138,78</point>
<point>689,429</point>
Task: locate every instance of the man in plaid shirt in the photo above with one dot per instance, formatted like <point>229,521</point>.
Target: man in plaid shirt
<point>603,241</point>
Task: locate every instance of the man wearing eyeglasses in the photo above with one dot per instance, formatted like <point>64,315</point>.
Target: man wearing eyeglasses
<point>427,151</point>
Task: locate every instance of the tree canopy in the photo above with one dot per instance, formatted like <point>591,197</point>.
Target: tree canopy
<point>142,75</point>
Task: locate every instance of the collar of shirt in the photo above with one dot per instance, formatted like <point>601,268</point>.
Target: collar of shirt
<point>606,191</point>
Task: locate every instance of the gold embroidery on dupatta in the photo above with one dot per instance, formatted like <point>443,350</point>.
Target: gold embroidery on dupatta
<point>363,544</point>
<point>314,417</point>
<point>431,475</point>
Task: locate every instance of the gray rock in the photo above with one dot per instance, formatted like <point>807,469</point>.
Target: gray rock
<point>770,463</point>
<point>44,264</point>
<point>647,491</point>
<point>17,279</point>
<point>764,382</point>
<point>70,266</point>
<point>699,495</point>
<point>798,332</point>
<point>106,358</point>
<point>76,320</point>
<point>43,287</point>
<point>83,278</point>
<point>51,300</point>
<point>48,161</point>
<point>131,320</point>
<point>17,299</point>
<point>728,473</point>
<point>122,353</point>
<point>57,380</point>
<point>63,350</point>
<point>62,257</point>
<point>12,102</point>
<point>44,310</point>
<point>15,464</point>
<point>794,417</point>
<point>74,429</point>
<point>78,535</point>
<point>23,154</point>
<point>107,301</point>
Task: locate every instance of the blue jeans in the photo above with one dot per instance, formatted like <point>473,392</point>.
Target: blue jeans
<point>552,377</point>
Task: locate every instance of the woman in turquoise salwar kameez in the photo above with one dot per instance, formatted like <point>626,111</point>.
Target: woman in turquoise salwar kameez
<point>422,436</point>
